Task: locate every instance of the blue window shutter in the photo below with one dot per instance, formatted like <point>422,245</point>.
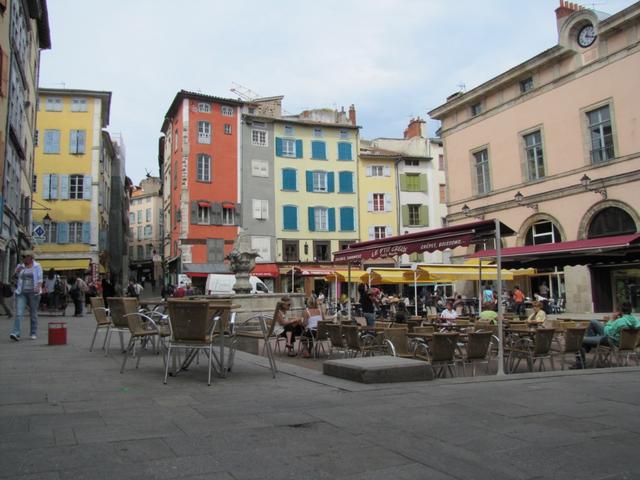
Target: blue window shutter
<point>86,232</point>
<point>47,141</point>
<point>53,192</point>
<point>288,179</point>
<point>46,182</point>
<point>344,151</point>
<point>82,138</point>
<point>278,147</point>
<point>332,219</point>
<point>309,181</point>
<point>290,216</point>
<point>285,179</point>
<point>63,232</point>
<point>86,187</point>
<point>73,141</point>
<point>299,149</point>
<point>331,182</point>
<point>56,141</point>
<point>346,219</point>
<point>64,187</point>
<point>346,182</point>
<point>312,220</point>
<point>318,150</point>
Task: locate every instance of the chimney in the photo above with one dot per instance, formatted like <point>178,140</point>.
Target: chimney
<point>414,129</point>
<point>352,114</point>
<point>565,9</point>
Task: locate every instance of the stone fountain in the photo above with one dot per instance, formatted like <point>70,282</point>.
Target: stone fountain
<point>242,259</point>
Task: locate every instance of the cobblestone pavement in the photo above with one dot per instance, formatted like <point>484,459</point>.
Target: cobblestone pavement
<point>67,413</point>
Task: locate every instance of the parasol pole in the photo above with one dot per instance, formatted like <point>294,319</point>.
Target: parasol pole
<point>349,289</point>
<point>499,280</point>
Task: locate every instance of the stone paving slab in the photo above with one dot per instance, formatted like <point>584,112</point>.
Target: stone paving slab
<point>67,413</point>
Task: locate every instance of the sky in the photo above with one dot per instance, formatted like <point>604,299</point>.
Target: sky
<point>392,59</point>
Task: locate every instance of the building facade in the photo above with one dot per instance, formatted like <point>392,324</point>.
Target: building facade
<point>24,32</point>
<point>118,236</point>
<point>72,179</point>
<point>551,147</point>
<point>145,229</point>
<point>202,206</point>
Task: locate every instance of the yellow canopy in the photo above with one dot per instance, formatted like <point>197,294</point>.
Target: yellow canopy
<point>64,264</point>
<point>517,272</point>
<point>343,276</point>
<point>454,272</point>
<point>397,276</point>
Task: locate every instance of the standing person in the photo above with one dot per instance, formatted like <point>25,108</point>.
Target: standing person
<point>487,294</point>
<point>77,296</point>
<point>366,303</point>
<point>28,289</point>
<point>50,287</point>
<point>5,292</point>
<point>108,290</point>
<point>131,289</point>
<point>518,300</point>
<point>543,292</point>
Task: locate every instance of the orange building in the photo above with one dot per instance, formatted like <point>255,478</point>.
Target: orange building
<point>201,192</point>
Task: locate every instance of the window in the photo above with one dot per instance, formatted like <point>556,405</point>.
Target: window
<point>260,209</point>
<point>78,104</point>
<point>227,129</point>
<point>290,217</point>
<point>290,251</point>
<point>379,232</point>
<point>148,231</point>
<point>601,134</point>
<point>204,132</point>
<point>226,110</point>
<point>228,216</point>
<point>75,232</point>
<point>345,182</point>
<point>204,107</point>
<point>320,182</point>
<point>611,221</point>
<point>413,182</point>
<point>411,162</point>
<point>139,231</point>
<point>260,168</point>
<point>288,147</point>
<point>476,109</point>
<point>318,150</point>
<point>147,215</point>
<point>375,171</point>
<point>259,138</point>
<point>139,216</point>
<point>289,181</point>
<point>77,140</point>
<point>53,104</point>
<point>483,181</point>
<point>321,219</point>
<point>288,130</point>
<point>535,160</point>
<point>542,232</point>
<point>203,215</point>
<point>51,233</point>
<point>344,151</point>
<point>317,132</point>
<point>443,193</point>
<point>322,251</point>
<point>204,168</point>
<point>52,141</point>
<point>526,85</point>
<point>132,218</point>
<point>441,162</point>
<point>378,202</point>
<point>140,252</point>
<point>148,251</point>
<point>344,134</point>
<point>262,245</point>
<point>414,215</point>
<point>347,219</point>
<point>176,139</point>
<point>76,184</point>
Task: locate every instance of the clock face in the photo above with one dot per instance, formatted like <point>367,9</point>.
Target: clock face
<point>586,36</point>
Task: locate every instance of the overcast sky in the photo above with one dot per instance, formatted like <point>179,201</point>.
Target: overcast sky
<point>393,59</point>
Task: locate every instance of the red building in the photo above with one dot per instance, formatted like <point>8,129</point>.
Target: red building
<point>200,168</point>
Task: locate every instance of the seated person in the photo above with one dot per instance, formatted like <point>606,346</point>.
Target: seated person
<point>289,327</point>
<point>458,305</point>
<point>401,313</point>
<point>609,334</point>
<point>538,317</point>
<point>310,318</point>
<point>448,313</point>
<point>488,313</point>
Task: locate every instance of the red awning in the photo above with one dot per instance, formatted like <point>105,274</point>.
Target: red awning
<point>266,270</point>
<point>313,272</point>
<point>204,204</point>
<point>197,274</point>
<point>574,252</point>
<point>426,241</point>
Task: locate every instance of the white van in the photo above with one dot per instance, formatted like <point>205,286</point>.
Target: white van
<point>223,283</point>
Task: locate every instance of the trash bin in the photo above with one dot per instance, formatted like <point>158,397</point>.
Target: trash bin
<point>57,333</point>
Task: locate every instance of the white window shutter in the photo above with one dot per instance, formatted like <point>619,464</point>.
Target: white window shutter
<point>369,171</point>
<point>387,202</point>
<point>388,231</point>
<point>257,209</point>
<point>370,202</point>
<point>265,209</point>
<point>387,171</point>
<point>372,233</point>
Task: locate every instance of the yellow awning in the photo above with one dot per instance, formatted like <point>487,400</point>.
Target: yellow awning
<point>517,272</point>
<point>343,276</point>
<point>456,272</point>
<point>65,264</point>
<point>398,276</point>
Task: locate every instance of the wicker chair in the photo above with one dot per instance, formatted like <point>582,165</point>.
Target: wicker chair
<point>119,323</point>
<point>442,354</point>
<point>399,345</point>
<point>355,343</point>
<point>572,345</point>
<point>192,329</point>
<point>336,339</point>
<point>536,350</point>
<point>321,337</point>
<point>627,346</point>
<point>262,322</point>
<point>102,320</point>
<point>477,351</point>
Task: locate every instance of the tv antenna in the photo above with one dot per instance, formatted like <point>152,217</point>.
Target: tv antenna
<point>462,87</point>
<point>244,92</point>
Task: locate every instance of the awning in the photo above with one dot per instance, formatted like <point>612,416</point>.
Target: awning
<point>266,270</point>
<point>386,276</point>
<point>197,274</point>
<point>426,241</point>
<point>204,204</point>
<point>459,272</point>
<point>620,248</point>
<point>64,263</point>
<point>343,276</point>
<point>313,272</point>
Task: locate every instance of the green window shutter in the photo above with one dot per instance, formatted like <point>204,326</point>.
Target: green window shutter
<point>424,215</point>
<point>403,183</point>
<point>312,219</point>
<point>405,215</point>
<point>423,182</point>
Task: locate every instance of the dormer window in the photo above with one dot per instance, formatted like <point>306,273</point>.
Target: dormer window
<point>526,85</point>
<point>476,109</point>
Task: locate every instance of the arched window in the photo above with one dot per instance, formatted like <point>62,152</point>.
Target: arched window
<point>542,232</point>
<point>611,221</point>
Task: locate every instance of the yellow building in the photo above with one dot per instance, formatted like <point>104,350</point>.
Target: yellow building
<point>72,179</point>
<point>316,187</point>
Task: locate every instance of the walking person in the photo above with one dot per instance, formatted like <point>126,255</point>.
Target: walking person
<point>28,289</point>
<point>5,292</point>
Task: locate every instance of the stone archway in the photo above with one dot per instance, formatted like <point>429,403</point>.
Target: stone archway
<point>533,219</point>
<point>583,228</point>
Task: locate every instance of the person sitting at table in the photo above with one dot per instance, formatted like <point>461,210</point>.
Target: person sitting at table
<point>310,318</point>
<point>402,314</point>
<point>289,327</point>
<point>458,305</point>
<point>538,317</point>
<point>488,313</point>
<point>448,313</point>
<point>609,334</point>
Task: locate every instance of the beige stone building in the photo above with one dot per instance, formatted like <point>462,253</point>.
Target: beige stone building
<point>551,147</point>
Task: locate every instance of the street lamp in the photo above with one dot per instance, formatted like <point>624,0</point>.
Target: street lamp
<point>465,211</point>
<point>518,197</point>
<point>46,221</point>
<point>585,181</point>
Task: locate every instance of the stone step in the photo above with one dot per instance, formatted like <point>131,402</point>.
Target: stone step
<point>379,369</point>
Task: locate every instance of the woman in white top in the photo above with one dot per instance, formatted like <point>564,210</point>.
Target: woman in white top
<point>310,318</point>
<point>448,313</point>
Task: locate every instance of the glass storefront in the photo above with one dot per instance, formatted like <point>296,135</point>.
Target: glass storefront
<point>626,287</point>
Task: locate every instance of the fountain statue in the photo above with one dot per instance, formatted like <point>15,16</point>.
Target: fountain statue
<point>242,260</point>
